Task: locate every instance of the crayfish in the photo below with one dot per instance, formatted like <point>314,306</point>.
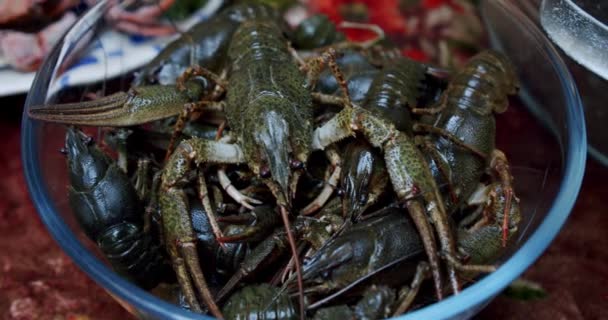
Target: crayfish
<point>284,163</point>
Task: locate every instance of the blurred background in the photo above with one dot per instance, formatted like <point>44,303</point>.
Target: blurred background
<point>38,281</point>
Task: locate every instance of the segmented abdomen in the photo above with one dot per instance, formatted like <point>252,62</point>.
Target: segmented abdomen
<point>483,84</point>
<point>107,208</point>
<point>259,302</point>
<point>394,90</point>
<point>473,95</point>
<point>131,252</point>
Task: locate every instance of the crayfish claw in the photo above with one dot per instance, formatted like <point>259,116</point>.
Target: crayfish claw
<point>186,286</point>
<point>188,250</point>
<point>96,112</point>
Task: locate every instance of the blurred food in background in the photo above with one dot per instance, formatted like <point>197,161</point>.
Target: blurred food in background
<point>445,32</point>
<point>29,29</point>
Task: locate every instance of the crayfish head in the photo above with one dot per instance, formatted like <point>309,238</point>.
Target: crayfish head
<point>276,162</point>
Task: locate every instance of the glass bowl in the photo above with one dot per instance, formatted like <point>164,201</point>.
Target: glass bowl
<point>547,178</point>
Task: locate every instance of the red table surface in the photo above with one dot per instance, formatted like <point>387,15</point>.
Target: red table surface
<point>38,281</point>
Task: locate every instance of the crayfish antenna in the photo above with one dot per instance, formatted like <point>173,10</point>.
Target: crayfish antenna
<point>294,250</point>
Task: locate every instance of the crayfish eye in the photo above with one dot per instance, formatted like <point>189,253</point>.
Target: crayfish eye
<point>265,172</point>
<point>340,192</point>
<point>363,199</point>
<point>296,164</point>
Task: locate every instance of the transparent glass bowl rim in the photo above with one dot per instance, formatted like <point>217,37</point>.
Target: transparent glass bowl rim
<point>473,296</point>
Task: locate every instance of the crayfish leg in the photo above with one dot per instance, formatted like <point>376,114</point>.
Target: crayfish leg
<point>500,164</point>
<point>235,194</point>
<point>220,85</point>
<point>422,272</point>
<point>196,70</point>
<point>330,184</point>
<point>183,116</point>
<point>139,105</point>
<point>447,242</point>
<point>316,65</point>
<point>184,282</point>
<point>419,217</point>
<point>200,151</point>
<point>188,110</point>
<point>152,205</point>
<point>474,268</point>
<point>178,231</point>
<point>482,242</point>
<point>294,53</point>
<point>188,250</point>
<point>203,194</point>
<point>328,99</point>
<point>140,179</point>
<point>180,241</point>
<point>440,162</point>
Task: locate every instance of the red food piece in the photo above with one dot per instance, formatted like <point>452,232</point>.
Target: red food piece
<point>384,13</point>
<point>415,54</point>
<point>142,21</point>
<point>25,51</point>
<point>330,8</point>
<point>24,11</point>
<point>433,4</point>
<point>389,20</point>
<point>14,10</point>
<point>21,50</point>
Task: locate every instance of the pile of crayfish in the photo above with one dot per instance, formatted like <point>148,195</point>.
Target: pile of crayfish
<point>261,171</point>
